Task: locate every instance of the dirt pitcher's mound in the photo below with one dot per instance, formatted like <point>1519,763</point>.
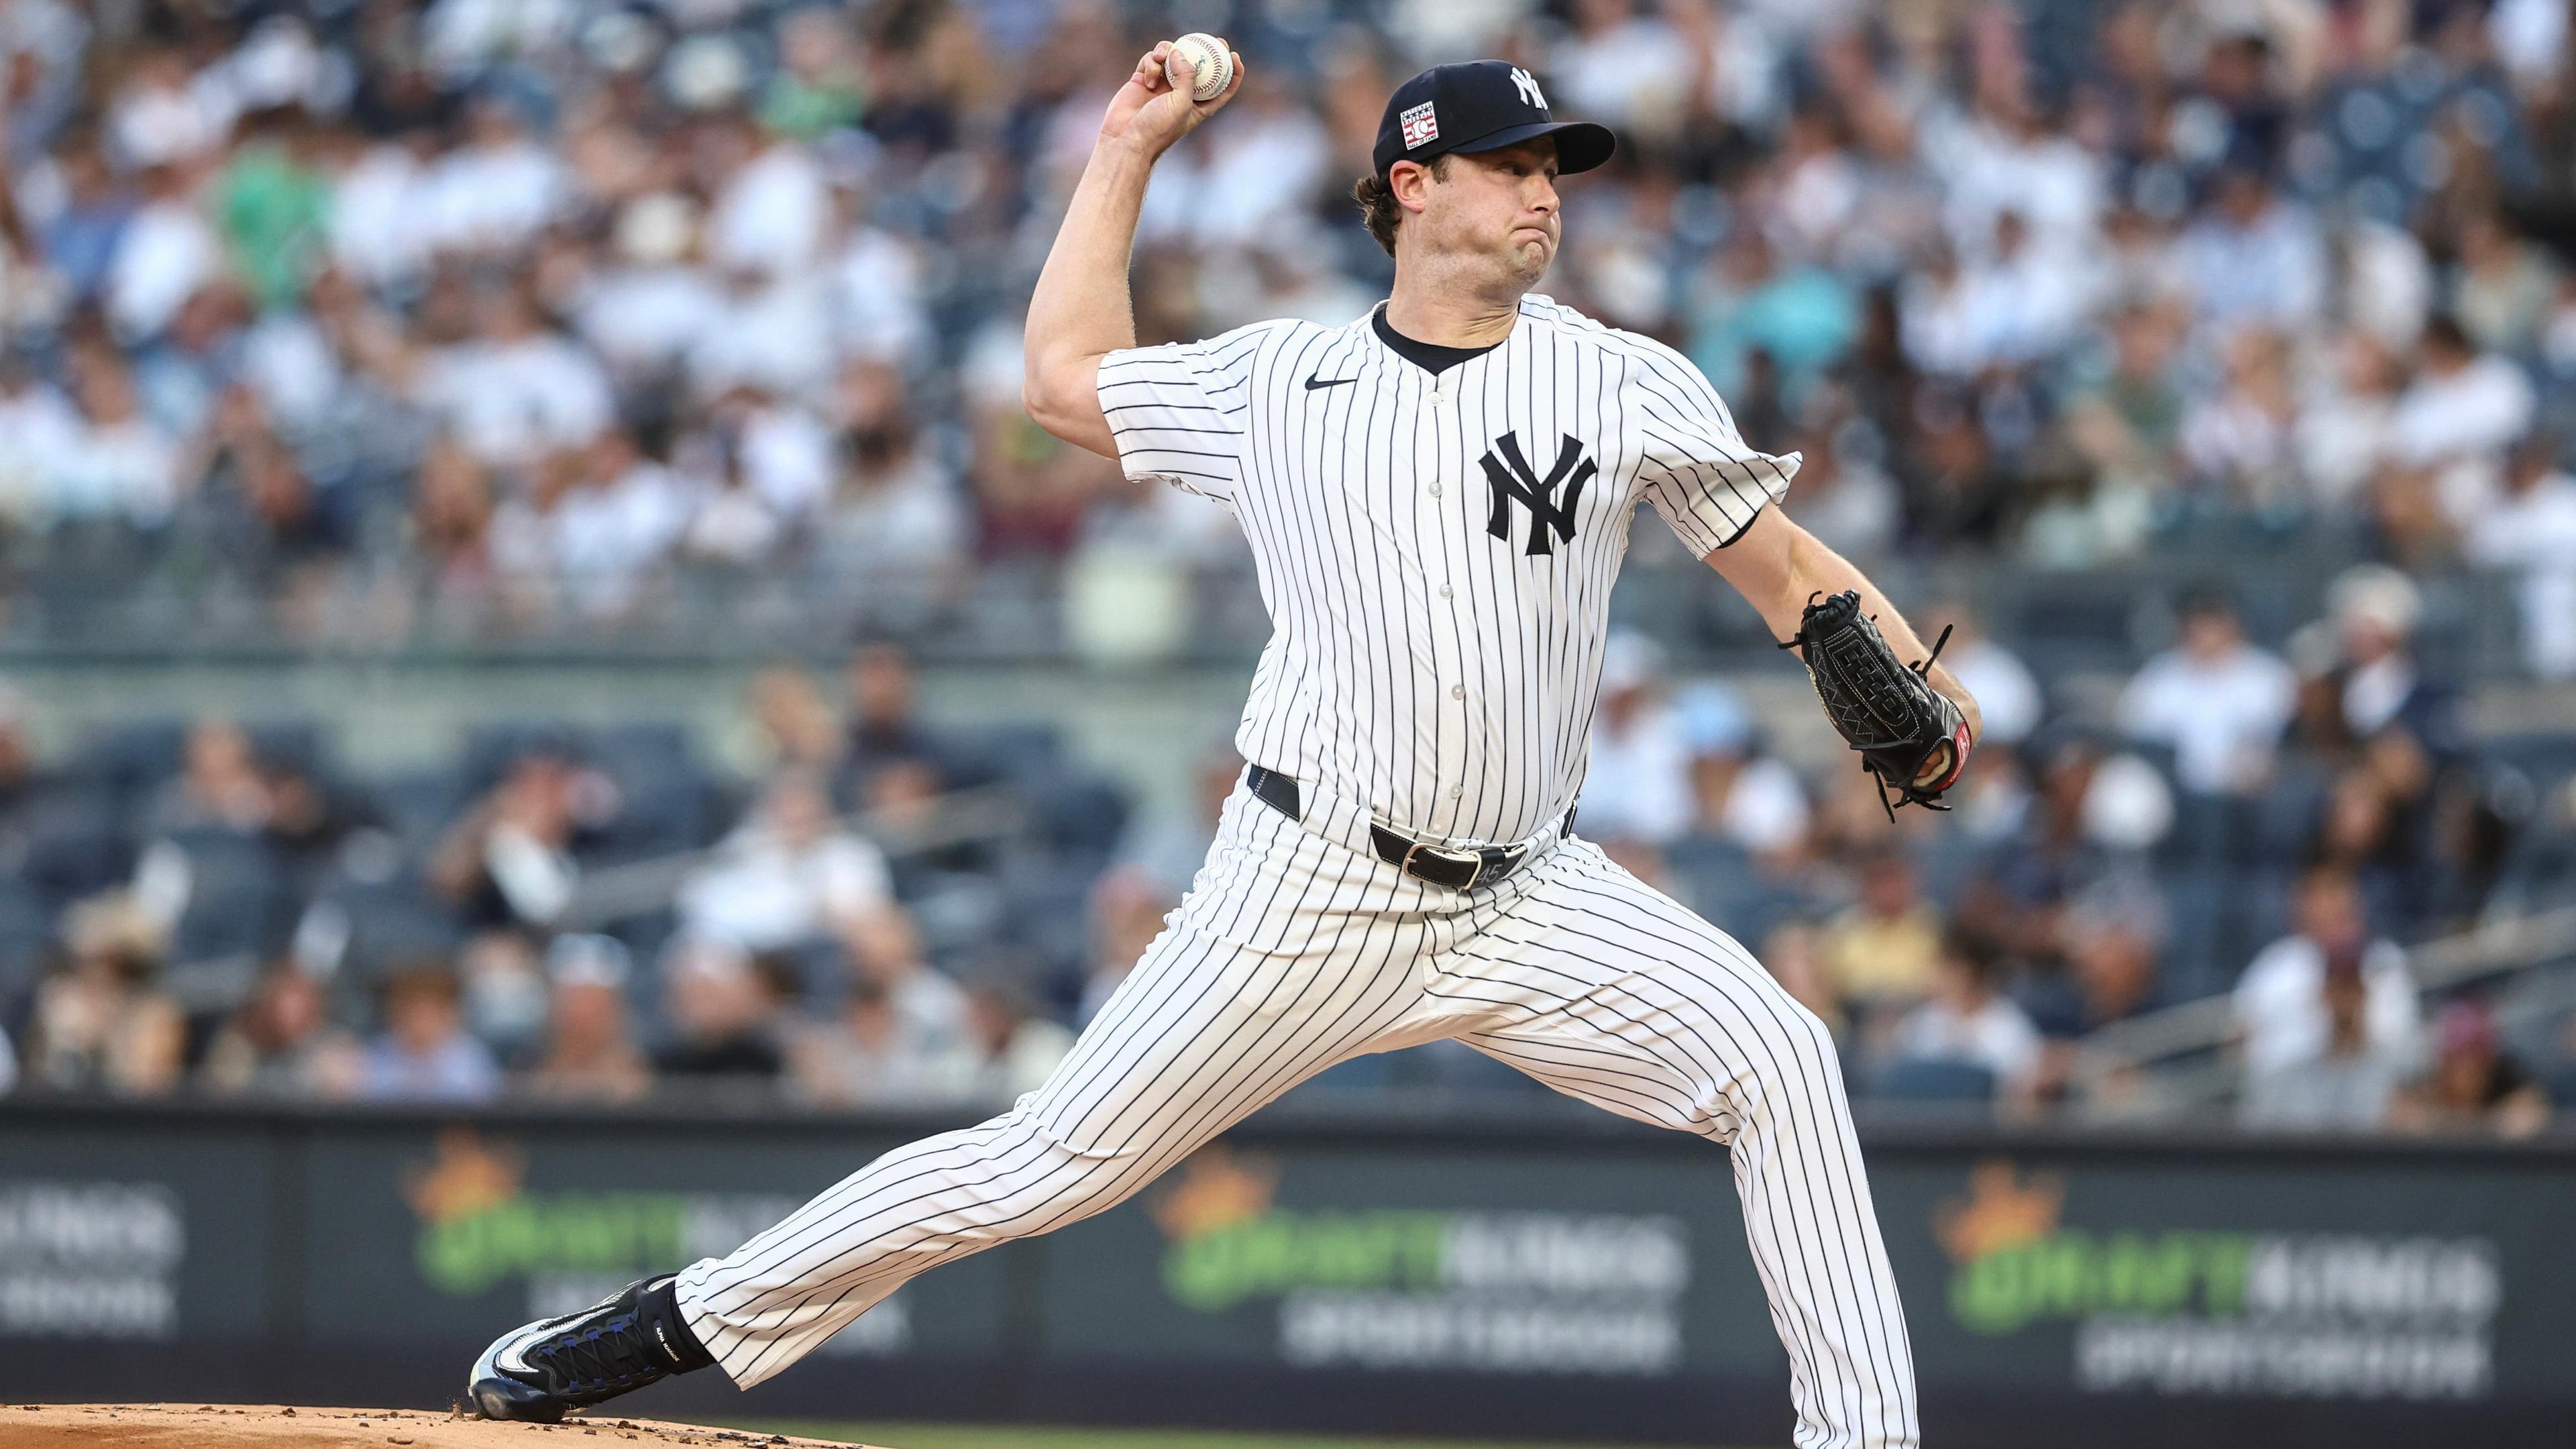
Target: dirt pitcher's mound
<point>210,1426</point>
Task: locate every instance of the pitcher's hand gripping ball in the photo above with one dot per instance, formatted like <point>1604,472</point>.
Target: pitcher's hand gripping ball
<point>1909,734</point>
<point>1199,65</point>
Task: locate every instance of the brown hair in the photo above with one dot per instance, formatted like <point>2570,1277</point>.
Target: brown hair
<point>1378,209</point>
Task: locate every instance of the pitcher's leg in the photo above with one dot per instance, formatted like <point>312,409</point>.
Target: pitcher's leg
<point>1254,988</point>
<point>1608,990</point>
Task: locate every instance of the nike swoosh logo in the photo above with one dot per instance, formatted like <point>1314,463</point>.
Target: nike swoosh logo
<point>1312,383</point>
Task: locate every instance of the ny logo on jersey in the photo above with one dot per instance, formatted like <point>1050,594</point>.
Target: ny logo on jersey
<point>1527,85</point>
<point>1512,477</point>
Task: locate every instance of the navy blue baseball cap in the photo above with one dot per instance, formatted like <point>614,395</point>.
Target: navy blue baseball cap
<point>1480,105</point>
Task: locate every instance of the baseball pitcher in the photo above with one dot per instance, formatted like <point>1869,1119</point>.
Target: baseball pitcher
<point>1438,498</point>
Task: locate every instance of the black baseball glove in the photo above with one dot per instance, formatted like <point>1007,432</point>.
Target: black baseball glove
<point>1909,734</point>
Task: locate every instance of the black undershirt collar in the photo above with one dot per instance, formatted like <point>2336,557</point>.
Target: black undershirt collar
<point>1430,357</point>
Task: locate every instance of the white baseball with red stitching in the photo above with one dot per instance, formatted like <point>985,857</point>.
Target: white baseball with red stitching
<point>1200,64</point>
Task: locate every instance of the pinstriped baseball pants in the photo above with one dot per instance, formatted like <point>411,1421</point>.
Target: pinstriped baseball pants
<point>1293,952</point>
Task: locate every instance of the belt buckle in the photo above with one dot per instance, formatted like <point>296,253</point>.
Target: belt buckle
<point>1471,858</point>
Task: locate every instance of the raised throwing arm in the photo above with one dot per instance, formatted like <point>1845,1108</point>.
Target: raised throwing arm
<point>1081,311</point>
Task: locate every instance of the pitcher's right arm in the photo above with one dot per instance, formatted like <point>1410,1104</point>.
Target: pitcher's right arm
<point>1081,310</point>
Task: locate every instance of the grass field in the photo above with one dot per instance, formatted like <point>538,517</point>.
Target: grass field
<point>987,1436</point>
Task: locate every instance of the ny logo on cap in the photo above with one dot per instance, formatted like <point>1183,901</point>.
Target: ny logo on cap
<point>1527,85</point>
<point>1513,478</point>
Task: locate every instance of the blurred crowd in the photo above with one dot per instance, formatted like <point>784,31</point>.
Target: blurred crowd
<point>565,914</point>
<point>853,902</point>
<point>370,319</point>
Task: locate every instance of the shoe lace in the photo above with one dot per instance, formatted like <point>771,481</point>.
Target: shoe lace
<point>600,1353</point>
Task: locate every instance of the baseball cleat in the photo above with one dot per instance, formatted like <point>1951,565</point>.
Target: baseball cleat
<point>632,1339</point>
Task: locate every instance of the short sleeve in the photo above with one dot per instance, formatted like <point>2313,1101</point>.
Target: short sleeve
<point>1697,470</point>
<point>1180,411</point>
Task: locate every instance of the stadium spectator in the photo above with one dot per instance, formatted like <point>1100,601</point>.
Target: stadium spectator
<point>1011,1047</point>
<point>424,1053</point>
<point>787,723</point>
<point>2217,700</point>
<point>1168,847</point>
<point>1883,952</point>
<point>510,861</point>
<point>885,729</point>
<point>2473,1083</point>
<point>2279,1003</point>
<point>883,948</point>
<point>1127,910</point>
<point>723,1010</point>
<point>1737,794</point>
<point>590,1053</point>
<point>282,1044</point>
<point>102,1023</point>
<point>787,875</point>
<point>2347,1076</point>
<point>2529,533</point>
<point>2463,409</point>
<point>2371,688</point>
<point>2007,694</point>
<point>870,1055</point>
<point>1637,787</point>
<point>1968,1020</point>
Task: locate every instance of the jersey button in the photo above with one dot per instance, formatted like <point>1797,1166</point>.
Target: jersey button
<point>1457,790</point>
<point>1457,691</point>
<point>1435,490</point>
<point>1447,592</point>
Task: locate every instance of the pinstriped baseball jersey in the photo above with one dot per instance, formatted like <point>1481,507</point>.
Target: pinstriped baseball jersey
<point>1436,550</point>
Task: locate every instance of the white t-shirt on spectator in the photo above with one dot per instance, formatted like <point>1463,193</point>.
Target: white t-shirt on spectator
<point>37,430</point>
<point>1638,66</point>
<point>1637,786</point>
<point>128,469</point>
<point>2534,534</point>
<point>293,367</point>
<point>607,539</point>
<point>1766,807</point>
<point>777,337</point>
<point>165,254</point>
<point>644,319</point>
<point>495,197</point>
<point>2480,409</point>
<point>380,213</point>
<point>2222,717</point>
<point>771,216</point>
<point>2270,274</point>
<point>761,893</point>
<point>1997,1036</point>
<point>787,457</point>
<point>2280,1003</point>
<point>876,285</point>
<point>1258,176</point>
<point>912,521</point>
<point>2006,693</point>
<point>510,402</point>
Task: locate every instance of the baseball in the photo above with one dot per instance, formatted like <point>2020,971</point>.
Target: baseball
<point>1200,64</point>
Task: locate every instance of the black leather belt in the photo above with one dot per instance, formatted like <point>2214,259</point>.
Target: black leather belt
<point>1457,868</point>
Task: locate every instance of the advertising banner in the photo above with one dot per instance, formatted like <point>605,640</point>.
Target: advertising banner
<point>472,1226</point>
<point>2144,1293</point>
<point>1483,1263</point>
<point>2296,1280</point>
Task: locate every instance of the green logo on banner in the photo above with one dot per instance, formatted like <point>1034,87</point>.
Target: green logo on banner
<point>2017,1266</point>
<point>478,1228</point>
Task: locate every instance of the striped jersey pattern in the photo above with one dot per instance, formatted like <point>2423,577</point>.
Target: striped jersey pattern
<point>1436,552</point>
